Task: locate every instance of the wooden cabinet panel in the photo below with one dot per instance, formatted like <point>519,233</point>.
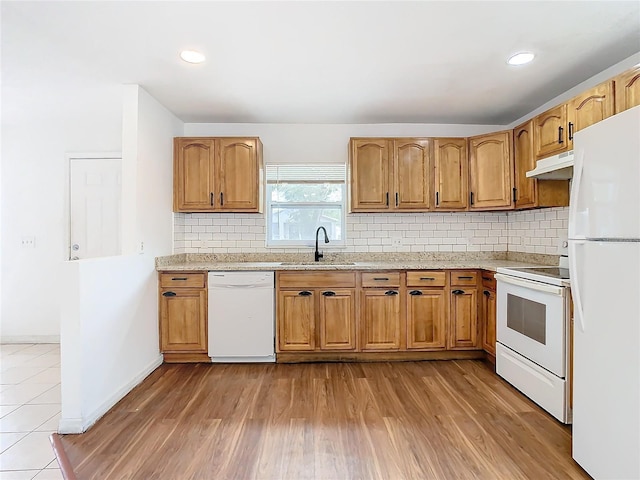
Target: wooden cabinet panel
<point>489,321</point>
<point>464,278</point>
<point>238,174</point>
<point>381,279</point>
<point>627,89</point>
<point>451,173</point>
<point>427,278</point>
<point>380,317</point>
<point>296,320</point>
<point>182,279</point>
<point>590,107</point>
<point>524,161</point>
<point>183,320</point>
<point>369,174</point>
<point>337,320</point>
<point>531,192</point>
<point>193,174</point>
<point>411,174</point>
<point>550,132</point>
<point>426,319</point>
<point>304,280</point>
<point>463,331</point>
<point>491,166</point>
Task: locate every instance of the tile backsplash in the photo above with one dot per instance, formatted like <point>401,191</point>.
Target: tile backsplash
<point>530,231</point>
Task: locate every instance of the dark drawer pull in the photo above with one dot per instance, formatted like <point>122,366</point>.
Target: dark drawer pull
<point>486,293</point>
<point>304,293</point>
<point>415,292</point>
<point>180,279</point>
<point>465,278</point>
<point>329,294</point>
<point>487,278</point>
<point>458,292</point>
<point>391,292</point>
<point>427,278</point>
<point>169,294</point>
<point>380,278</point>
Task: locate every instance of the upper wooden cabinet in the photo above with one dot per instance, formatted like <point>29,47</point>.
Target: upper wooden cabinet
<point>588,108</point>
<point>550,132</point>
<point>451,173</point>
<point>491,167</point>
<point>217,175</point>
<point>530,192</point>
<point>389,174</point>
<point>627,89</point>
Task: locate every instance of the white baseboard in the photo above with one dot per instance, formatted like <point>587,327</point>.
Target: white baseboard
<point>73,425</point>
<point>30,339</point>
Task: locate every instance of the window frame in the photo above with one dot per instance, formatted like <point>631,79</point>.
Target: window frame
<point>270,205</point>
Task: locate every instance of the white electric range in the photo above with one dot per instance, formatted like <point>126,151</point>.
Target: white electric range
<point>532,347</point>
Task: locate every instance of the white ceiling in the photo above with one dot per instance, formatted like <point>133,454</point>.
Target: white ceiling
<point>321,62</point>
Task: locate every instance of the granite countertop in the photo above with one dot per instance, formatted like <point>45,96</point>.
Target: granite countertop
<point>391,261</point>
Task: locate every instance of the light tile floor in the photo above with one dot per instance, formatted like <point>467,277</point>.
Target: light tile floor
<point>29,411</point>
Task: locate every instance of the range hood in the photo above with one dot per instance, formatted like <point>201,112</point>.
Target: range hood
<point>558,167</point>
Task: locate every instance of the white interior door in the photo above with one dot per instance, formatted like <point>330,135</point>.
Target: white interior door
<point>95,207</point>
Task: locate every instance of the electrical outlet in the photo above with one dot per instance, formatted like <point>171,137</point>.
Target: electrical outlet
<point>141,248</point>
<point>28,242</point>
<point>396,242</point>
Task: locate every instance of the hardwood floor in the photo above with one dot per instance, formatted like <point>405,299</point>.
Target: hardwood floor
<point>403,420</point>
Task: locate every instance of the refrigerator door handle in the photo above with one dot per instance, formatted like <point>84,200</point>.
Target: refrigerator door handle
<point>576,184</point>
<point>575,282</point>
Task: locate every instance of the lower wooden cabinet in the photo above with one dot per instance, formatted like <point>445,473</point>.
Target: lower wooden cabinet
<point>380,317</point>
<point>463,315</point>
<point>426,319</point>
<point>316,311</point>
<point>296,320</point>
<point>488,313</point>
<point>183,316</point>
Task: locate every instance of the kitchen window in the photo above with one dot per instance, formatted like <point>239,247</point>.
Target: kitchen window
<point>301,198</point>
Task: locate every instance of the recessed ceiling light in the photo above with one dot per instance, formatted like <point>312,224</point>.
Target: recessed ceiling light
<point>191,56</point>
<point>520,58</point>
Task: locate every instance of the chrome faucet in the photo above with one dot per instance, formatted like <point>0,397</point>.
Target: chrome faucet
<point>318,255</point>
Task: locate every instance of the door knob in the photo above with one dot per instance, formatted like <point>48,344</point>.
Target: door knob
<point>75,247</point>
<point>75,258</point>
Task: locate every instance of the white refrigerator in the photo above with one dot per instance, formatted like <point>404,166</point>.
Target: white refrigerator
<point>604,261</point>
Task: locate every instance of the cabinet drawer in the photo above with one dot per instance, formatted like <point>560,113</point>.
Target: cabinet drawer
<point>426,279</point>
<point>381,279</point>
<point>181,279</point>
<point>488,280</point>
<point>316,279</point>
<point>464,277</point>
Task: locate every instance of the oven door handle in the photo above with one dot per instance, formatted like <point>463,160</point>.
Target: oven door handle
<point>540,287</point>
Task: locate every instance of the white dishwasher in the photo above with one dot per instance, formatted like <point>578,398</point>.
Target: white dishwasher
<point>241,317</point>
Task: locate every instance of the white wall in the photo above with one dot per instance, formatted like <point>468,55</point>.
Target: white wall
<point>109,334</point>
<point>35,138</point>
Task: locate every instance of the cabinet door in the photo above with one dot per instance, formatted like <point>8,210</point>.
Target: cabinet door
<point>296,320</point>
<point>369,174</point>
<point>451,173</point>
<point>183,325</point>
<point>627,86</point>
<point>463,331</point>
<point>426,319</point>
<point>380,314</point>
<point>489,321</point>
<point>590,107</point>
<point>337,320</point>
<point>491,164</point>
<point>550,135</point>
<point>193,174</point>
<point>411,174</point>
<point>524,161</point>
<point>238,175</point>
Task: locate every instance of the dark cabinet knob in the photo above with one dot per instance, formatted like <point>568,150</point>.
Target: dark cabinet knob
<point>304,293</point>
<point>391,292</point>
<point>415,292</point>
<point>458,292</point>
<point>329,294</point>
<point>169,294</point>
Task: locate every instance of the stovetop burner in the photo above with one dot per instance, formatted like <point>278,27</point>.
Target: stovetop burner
<point>555,272</point>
